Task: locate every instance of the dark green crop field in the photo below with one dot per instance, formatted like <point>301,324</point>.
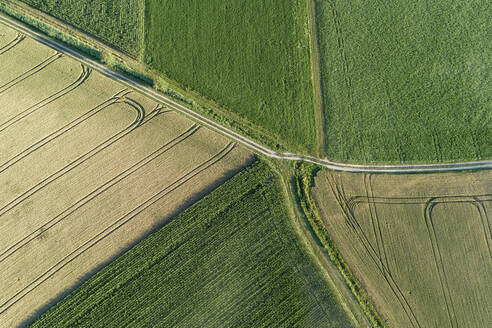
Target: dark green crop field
<point>119,23</point>
<point>230,260</point>
<point>252,57</point>
<point>406,80</point>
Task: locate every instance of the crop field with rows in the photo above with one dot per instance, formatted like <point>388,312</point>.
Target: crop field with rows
<point>252,57</point>
<point>87,168</point>
<point>420,244</point>
<point>119,23</point>
<point>230,260</point>
<point>406,81</point>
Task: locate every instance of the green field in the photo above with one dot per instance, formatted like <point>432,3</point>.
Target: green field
<point>406,81</point>
<point>419,244</point>
<point>231,259</point>
<point>252,57</point>
<point>119,23</point>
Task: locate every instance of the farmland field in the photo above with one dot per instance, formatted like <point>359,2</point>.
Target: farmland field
<point>421,245</point>
<point>406,81</point>
<point>230,260</point>
<point>252,57</point>
<point>119,23</point>
<point>87,168</point>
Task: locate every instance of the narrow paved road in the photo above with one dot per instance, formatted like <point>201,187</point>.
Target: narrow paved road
<point>254,146</point>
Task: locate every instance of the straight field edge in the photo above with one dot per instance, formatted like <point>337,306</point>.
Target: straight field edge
<point>129,66</point>
<point>316,77</point>
<point>304,180</point>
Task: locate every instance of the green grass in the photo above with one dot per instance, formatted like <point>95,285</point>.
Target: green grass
<point>406,81</point>
<point>118,23</point>
<point>252,57</point>
<point>230,260</point>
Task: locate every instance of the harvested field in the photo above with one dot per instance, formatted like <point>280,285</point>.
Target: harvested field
<point>85,166</point>
<point>421,245</point>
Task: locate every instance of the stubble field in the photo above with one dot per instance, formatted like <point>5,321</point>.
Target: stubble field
<point>420,244</point>
<point>87,168</point>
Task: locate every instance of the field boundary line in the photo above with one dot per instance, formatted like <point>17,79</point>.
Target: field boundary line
<point>115,226</point>
<point>139,117</point>
<point>10,250</point>
<point>30,72</point>
<point>84,75</point>
<point>245,141</point>
<point>12,43</point>
<point>316,77</point>
<point>62,130</point>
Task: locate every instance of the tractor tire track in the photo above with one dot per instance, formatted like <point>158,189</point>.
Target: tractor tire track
<point>97,192</point>
<point>115,226</point>
<point>12,43</point>
<point>355,227</point>
<point>376,224</point>
<point>436,250</point>
<point>139,118</point>
<point>237,137</point>
<point>47,139</point>
<point>39,67</point>
<point>84,75</point>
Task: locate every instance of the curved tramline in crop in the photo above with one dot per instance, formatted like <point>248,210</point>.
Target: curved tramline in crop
<point>117,98</point>
<point>477,202</point>
<point>378,255</point>
<point>30,72</point>
<point>11,44</point>
<point>348,209</point>
<point>10,250</point>
<point>83,76</point>
<point>139,120</point>
<point>115,226</point>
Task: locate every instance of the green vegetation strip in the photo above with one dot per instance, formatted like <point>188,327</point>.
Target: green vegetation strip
<point>406,81</point>
<point>119,23</point>
<point>251,57</point>
<point>304,180</point>
<point>230,260</point>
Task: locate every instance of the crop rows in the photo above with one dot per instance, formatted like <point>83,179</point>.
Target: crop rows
<point>55,198</point>
<point>226,260</point>
<point>110,228</point>
<point>375,224</point>
<point>399,82</point>
<point>250,57</point>
<point>119,23</point>
<point>84,75</point>
<point>64,129</point>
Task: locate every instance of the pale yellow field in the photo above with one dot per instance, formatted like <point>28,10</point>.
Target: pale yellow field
<point>420,244</point>
<point>87,168</point>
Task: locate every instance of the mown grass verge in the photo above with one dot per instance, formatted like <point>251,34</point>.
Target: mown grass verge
<point>231,259</point>
<point>305,174</point>
<point>139,72</point>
